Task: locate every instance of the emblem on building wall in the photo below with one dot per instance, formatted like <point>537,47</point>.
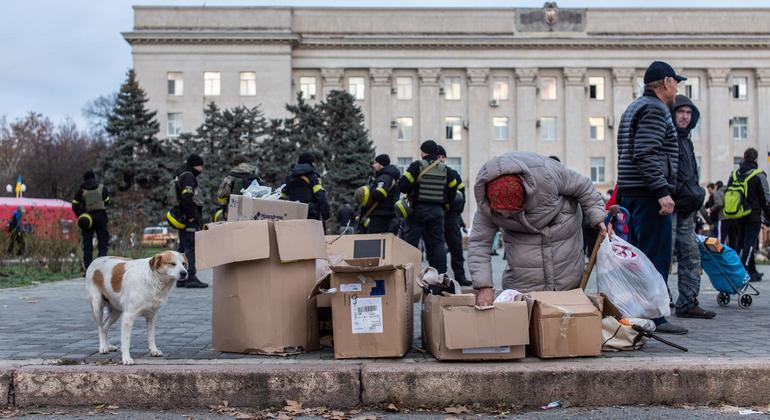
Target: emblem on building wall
<point>550,18</point>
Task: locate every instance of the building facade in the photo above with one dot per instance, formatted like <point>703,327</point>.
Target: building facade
<point>479,81</point>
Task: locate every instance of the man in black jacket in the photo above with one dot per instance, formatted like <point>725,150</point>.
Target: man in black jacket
<point>453,223</point>
<point>758,200</point>
<point>303,184</point>
<point>189,207</point>
<point>90,206</point>
<point>377,214</point>
<point>648,155</point>
<point>688,198</point>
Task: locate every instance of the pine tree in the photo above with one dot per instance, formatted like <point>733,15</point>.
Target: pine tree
<point>348,152</point>
<point>134,166</point>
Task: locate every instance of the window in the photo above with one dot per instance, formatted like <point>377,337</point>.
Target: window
<point>548,88</point>
<point>307,87</point>
<point>452,88</point>
<point>639,87</point>
<point>597,127</point>
<point>597,169</point>
<point>211,83</point>
<point>548,128</point>
<point>404,127</point>
<point>175,84</point>
<point>740,128</point>
<point>454,128</point>
<point>740,87</point>
<point>174,127</point>
<point>500,89</point>
<point>357,88</point>
<point>404,88</point>
<point>596,88</point>
<point>455,163</point>
<point>501,127</point>
<point>248,83</point>
<point>403,163</point>
<point>692,88</point>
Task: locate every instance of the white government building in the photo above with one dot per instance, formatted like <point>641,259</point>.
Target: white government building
<point>480,81</point>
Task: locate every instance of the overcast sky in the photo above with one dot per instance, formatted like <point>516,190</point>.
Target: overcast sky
<point>59,54</point>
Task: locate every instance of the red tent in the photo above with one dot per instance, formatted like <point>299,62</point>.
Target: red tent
<point>41,215</point>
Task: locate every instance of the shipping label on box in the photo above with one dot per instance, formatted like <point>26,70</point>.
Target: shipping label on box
<point>366,315</point>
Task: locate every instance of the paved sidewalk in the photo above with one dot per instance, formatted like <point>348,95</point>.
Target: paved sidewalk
<point>53,321</point>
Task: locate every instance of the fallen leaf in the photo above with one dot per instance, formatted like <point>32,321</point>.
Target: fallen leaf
<point>244,416</point>
<point>392,407</point>
<point>113,407</point>
<point>354,412</point>
<point>365,418</point>
<point>456,410</point>
<point>294,407</point>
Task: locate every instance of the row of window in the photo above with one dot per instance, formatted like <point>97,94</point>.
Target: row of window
<point>212,83</point>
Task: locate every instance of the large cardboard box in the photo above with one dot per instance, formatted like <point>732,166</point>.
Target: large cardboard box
<point>372,313</point>
<point>247,208</point>
<point>263,271</point>
<point>564,324</point>
<point>386,246</point>
<point>453,329</point>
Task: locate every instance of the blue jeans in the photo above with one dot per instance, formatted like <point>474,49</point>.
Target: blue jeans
<point>688,258</point>
<point>650,232</point>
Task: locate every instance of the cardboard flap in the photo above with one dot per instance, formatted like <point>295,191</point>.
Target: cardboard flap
<point>323,283</point>
<point>468,299</point>
<point>228,242</point>
<point>506,325</point>
<point>555,304</point>
<point>300,239</point>
<point>363,269</point>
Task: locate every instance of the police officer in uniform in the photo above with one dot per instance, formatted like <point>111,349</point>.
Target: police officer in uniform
<point>303,184</point>
<point>240,177</point>
<point>376,200</point>
<point>430,189</point>
<point>453,223</point>
<point>90,206</point>
<point>187,202</point>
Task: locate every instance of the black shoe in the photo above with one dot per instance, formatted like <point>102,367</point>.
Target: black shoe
<point>696,312</point>
<point>495,253</point>
<point>181,283</point>
<point>194,283</point>
<point>669,328</point>
<point>755,277</point>
<point>465,282</point>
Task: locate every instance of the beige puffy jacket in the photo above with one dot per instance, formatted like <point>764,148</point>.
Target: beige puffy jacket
<point>543,242</point>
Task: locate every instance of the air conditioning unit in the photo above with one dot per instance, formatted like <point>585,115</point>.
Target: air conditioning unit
<point>393,124</point>
<point>394,90</point>
<point>537,123</point>
<point>610,122</point>
<point>441,91</point>
<point>466,124</point>
<point>494,103</point>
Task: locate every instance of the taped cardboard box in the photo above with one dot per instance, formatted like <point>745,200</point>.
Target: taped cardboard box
<point>564,324</point>
<point>453,329</point>
<point>247,208</point>
<point>386,246</point>
<point>372,314</point>
<point>263,271</point>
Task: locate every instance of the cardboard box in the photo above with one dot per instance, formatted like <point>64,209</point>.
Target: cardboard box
<point>387,247</point>
<point>263,271</point>
<point>453,329</point>
<point>372,314</point>
<point>246,208</point>
<point>564,324</point>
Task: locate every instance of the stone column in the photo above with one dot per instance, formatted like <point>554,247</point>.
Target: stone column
<point>763,112</point>
<point>622,96</point>
<point>526,109</point>
<point>332,80</point>
<point>430,119</point>
<point>477,143</point>
<point>575,126</point>
<point>380,112</point>
<point>718,141</point>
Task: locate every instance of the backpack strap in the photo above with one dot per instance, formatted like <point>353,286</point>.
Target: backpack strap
<point>427,169</point>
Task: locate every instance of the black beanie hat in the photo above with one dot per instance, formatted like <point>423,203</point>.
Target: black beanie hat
<point>194,160</point>
<point>89,175</point>
<point>383,160</point>
<point>440,151</point>
<point>306,157</point>
<point>429,147</point>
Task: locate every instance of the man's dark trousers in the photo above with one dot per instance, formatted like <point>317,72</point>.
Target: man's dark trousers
<point>454,242</point>
<point>427,221</point>
<point>747,242</point>
<point>381,224</point>
<point>187,247</point>
<point>102,238</point>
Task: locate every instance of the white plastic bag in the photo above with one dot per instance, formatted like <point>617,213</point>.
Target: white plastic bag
<point>276,194</point>
<point>255,190</point>
<point>630,280</point>
<point>507,295</point>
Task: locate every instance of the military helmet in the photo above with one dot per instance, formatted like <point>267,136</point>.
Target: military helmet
<point>361,196</point>
<point>403,208</point>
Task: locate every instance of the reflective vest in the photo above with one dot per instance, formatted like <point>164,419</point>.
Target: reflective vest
<point>432,183</point>
<point>94,199</point>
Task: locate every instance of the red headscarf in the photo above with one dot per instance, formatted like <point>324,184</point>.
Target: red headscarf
<point>506,192</point>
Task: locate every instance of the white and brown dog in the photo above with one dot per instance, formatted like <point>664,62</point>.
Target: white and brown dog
<point>131,288</point>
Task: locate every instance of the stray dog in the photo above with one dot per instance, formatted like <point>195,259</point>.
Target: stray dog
<point>131,288</point>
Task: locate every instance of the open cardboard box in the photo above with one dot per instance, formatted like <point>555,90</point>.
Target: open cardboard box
<point>372,313</point>
<point>564,324</point>
<point>247,208</point>
<point>454,329</point>
<point>263,271</point>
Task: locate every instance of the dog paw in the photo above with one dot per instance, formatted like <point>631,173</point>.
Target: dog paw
<point>104,350</point>
<point>156,353</point>
<point>127,360</point>
<point>112,348</point>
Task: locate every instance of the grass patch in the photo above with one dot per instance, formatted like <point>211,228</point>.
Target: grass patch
<point>18,276</point>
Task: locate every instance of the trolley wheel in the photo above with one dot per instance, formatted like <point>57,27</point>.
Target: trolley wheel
<point>745,301</point>
<point>723,299</point>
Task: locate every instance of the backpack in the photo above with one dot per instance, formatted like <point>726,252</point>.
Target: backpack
<point>736,196</point>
